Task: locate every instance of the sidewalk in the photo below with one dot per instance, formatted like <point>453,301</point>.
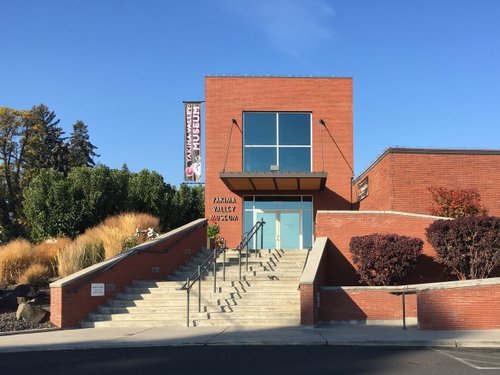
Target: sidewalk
<point>95,338</point>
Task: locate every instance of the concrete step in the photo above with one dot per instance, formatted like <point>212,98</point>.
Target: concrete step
<point>262,301</point>
<point>208,287</point>
<point>194,323</point>
<point>139,324</point>
<point>170,297</point>
<point>262,322</point>
<point>245,283</point>
<point>206,309</point>
<point>146,317</point>
<point>234,275</point>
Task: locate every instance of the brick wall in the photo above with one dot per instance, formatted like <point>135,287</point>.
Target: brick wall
<point>313,278</point>
<point>475,307</point>
<point>457,305</point>
<point>362,304</point>
<point>71,301</point>
<point>226,98</point>
<point>341,226</point>
<point>399,179</point>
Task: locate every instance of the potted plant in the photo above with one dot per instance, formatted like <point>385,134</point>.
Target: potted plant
<point>213,231</point>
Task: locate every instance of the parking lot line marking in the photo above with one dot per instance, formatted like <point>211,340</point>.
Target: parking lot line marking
<point>465,362</point>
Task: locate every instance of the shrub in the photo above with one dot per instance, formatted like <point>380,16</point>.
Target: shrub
<point>213,230</point>
<point>469,246</point>
<point>36,274</point>
<point>15,258</point>
<point>382,259</point>
<point>456,203</point>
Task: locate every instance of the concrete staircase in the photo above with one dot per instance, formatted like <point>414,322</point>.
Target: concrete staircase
<point>267,295</point>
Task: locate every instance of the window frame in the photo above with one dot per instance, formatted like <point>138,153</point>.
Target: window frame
<point>277,146</point>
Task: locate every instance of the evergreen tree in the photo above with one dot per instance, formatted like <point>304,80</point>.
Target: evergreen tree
<point>81,151</point>
<point>16,132</point>
<point>46,147</point>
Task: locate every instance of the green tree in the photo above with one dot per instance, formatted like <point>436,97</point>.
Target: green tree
<point>187,205</point>
<point>81,150</point>
<point>147,193</point>
<point>101,191</point>
<point>47,148</point>
<point>16,130</point>
<point>51,208</point>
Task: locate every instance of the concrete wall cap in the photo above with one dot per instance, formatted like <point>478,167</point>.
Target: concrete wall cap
<point>109,262</point>
<point>313,261</point>
<point>417,287</point>
<point>346,212</point>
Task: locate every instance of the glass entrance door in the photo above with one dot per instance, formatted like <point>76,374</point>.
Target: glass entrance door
<point>267,239</point>
<point>289,223</point>
<point>281,231</point>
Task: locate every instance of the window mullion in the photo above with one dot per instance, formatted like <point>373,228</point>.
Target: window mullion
<point>277,140</point>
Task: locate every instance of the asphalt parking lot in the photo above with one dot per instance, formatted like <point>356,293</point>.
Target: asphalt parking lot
<point>255,359</point>
<point>483,359</point>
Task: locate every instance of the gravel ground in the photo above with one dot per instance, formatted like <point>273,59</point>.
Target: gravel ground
<point>9,323</point>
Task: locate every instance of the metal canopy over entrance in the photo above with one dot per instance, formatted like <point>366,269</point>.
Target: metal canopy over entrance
<point>274,181</point>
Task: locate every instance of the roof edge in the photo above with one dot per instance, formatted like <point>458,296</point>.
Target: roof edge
<point>429,151</point>
<point>272,76</point>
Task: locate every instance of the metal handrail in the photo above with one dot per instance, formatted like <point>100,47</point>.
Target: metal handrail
<point>196,276</point>
<point>246,240</point>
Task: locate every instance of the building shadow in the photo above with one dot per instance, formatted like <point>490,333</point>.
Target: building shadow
<point>340,272</point>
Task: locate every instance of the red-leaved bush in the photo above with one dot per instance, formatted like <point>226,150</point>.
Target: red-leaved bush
<point>456,203</point>
<point>383,259</point>
<point>469,246</point>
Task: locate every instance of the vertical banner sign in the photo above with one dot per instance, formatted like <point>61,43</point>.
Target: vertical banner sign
<point>192,141</point>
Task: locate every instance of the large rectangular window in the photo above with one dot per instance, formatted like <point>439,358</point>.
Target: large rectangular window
<point>281,139</point>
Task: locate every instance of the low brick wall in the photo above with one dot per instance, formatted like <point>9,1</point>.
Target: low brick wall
<point>468,307</point>
<point>313,278</point>
<point>457,305</point>
<point>71,299</point>
<point>364,304</point>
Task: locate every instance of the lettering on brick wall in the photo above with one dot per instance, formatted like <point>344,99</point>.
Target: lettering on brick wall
<point>225,209</point>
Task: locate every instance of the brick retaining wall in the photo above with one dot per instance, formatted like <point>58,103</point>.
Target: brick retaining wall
<point>71,300</point>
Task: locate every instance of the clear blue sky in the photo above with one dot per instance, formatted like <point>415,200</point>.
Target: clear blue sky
<point>426,73</point>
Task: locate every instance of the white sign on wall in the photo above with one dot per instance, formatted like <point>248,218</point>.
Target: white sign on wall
<point>97,289</point>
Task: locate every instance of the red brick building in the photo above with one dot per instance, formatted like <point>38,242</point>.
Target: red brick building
<point>399,179</point>
<point>280,149</point>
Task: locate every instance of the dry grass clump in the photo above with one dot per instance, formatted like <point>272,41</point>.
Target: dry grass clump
<point>46,253</point>
<point>20,260</point>
<point>103,241</point>
<point>36,274</point>
<point>79,254</point>
<point>23,262</point>
<point>15,258</point>
<point>130,221</point>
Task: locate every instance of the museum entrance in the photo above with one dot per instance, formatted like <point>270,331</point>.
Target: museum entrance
<point>288,221</point>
